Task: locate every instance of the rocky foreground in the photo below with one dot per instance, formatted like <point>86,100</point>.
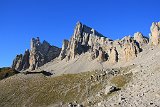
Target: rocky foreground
<point>89,70</point>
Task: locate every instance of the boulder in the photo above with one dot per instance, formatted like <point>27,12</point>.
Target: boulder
<point>110,89</point>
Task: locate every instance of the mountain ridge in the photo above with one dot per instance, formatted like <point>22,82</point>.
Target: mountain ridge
<point>87,71</point>
<point>85,39</point>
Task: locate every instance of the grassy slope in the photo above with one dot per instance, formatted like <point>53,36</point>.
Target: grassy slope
<point>37,90</point>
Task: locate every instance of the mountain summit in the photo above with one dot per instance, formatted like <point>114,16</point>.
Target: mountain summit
<point>84,40</point>
<point>89,70</point>
<point>39,54</point>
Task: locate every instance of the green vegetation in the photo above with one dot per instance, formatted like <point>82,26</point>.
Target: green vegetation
<point>6,72</point>
<point>121,80</point>
<point>38,90</point>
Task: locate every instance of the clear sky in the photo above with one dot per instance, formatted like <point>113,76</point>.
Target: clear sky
<point>54,20</point>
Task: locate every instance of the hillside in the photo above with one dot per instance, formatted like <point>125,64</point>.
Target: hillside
<point>89,70</point>
<point>138,83</point>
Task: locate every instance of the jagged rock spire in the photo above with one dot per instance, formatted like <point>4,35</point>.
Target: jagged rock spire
<point>140,39</point>
<point>86,40</point>
<point>39,54</point>
<point>155,33</point>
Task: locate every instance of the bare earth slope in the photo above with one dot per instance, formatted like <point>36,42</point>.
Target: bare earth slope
<point>89,70</point>
<point>144,89</point>
<point>32,90</point>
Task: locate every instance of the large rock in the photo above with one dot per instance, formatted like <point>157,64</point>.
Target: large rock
<point>21,62</point>
<point>113,55</point>
<point>155,33</point>
<point>25,60</point>
<point>17,63</point>
<point>130,48</point>
<point>140,39</point>
<point>39,54</point>
<point>101,55</point>
<point>86,39</point>
<point>64,49</point>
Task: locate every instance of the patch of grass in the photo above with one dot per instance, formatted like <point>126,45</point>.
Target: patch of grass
<point>121,80</point>
<point>34,90</point>
<point>96,88</point>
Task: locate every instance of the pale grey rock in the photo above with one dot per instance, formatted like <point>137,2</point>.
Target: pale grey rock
<point>101,55</point>
<point>155,33</point>
<point>130,48</point>
<point>110,89</point>
<point>83,40</point>
<point>140,39</point>
<point>113,55</point>
<point>39,54</point>
<point>21,62</point>
<point>25,60</point>
<point>86,39</point>
<point>17,63</point>
<point>64,49</point>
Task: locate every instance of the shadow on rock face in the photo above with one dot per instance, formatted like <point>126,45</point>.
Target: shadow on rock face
<point>41,72</point>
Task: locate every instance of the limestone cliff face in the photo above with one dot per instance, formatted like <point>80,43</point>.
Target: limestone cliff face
<point>113,55</point>
<point>64,49</point>
<point>21,62</point>
<point>39,54</point>
<point>130,48</point>
<point>155,33</point>
<point>140,39</point>
<point>83,40</point>
<point>86,39</point>
<point>17,62</point>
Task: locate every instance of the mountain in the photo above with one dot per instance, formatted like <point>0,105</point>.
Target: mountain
<point>89,70</point>
<point>39,54</point>
<point>84,40</point>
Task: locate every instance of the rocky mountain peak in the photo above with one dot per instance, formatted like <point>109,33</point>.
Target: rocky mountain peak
<point>82,30</point>
<point>155,33</point>
<point>39,54</point>
<point>140,39</point>
<point>86,40</point>
<point>35,42</point>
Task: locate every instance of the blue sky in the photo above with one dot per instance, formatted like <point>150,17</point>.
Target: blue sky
<point>54,20</point>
